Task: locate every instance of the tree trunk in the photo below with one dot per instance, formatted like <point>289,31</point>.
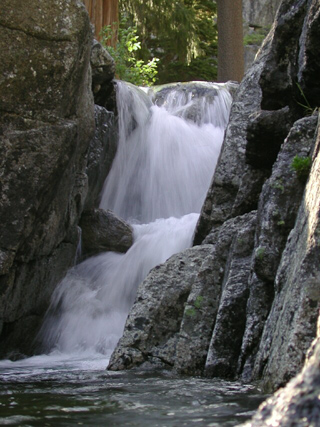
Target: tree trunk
<point>102,13</point>
<point>230,40</point>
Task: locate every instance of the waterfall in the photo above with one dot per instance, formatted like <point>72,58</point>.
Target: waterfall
<point>169,143</point>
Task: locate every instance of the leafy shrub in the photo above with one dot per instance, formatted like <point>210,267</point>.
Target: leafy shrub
<point>256,36</point>
<point>128,67</point>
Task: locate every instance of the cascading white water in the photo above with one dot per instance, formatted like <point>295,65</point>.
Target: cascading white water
<point>165,160</point>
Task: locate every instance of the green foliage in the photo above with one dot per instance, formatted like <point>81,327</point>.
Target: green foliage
<point>256,36</point>
<point>308,109</point>
<point>190,311</point>
<point>260,253</point>
<point>128,67</point>
<point>181,33</point>
<point>302,166</point>
<point>198,302</point>
<point>278,185</point>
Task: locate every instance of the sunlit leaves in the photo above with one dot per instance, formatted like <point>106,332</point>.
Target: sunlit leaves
<point>181,33</point>
<point>128,67</point>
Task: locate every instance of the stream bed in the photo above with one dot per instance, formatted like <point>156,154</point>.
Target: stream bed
<point>57,390</point>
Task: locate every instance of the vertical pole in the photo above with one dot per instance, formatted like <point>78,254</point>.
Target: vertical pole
<point>103,12</point>
<point>230,40</point>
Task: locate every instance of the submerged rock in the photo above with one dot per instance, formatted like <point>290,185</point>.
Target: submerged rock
<point>104,231</point>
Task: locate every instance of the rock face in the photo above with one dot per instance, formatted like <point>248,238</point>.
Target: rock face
<point>152,328</point>
<point>104,231</point>
<point>258,16</point>
<point>291,324</point>
<point>46,125</point>
<point>298,403</point>
<point>258,13</point>
<point>102,150</point>
<point>252,302</point>
<point>103,71</point>
<point>273,264</point>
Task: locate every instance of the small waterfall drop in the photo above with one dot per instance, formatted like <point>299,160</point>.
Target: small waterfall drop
<point>169,143</point>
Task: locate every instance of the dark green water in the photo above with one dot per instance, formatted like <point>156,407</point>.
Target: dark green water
<point>60,391</point>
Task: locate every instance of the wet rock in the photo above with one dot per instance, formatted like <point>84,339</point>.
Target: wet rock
<point>201,93</point>
<point>104,231</point>
<point>101,153</point>
<point>298,403</point>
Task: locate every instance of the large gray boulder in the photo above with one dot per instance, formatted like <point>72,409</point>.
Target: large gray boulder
<point>236,185</point>
<point>172,319</point>
<point>46,124</point>
<point>152,328</point>
<point>268,182</point>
